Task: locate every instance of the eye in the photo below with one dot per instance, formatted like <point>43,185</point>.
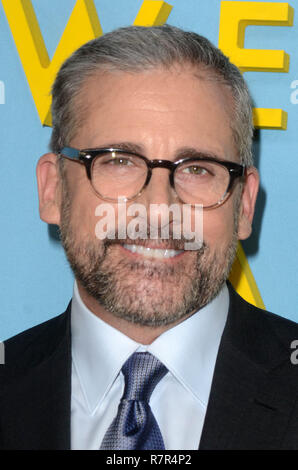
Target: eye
<point>119,161</point>
<point>195,170</point>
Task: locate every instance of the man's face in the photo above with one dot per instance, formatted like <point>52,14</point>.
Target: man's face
<point>161,112</point>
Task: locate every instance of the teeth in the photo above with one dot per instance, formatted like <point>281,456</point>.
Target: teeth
<point>152,252</point>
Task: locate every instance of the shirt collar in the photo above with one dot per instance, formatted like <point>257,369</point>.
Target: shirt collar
<point>188,350</point>
<point>98,351</point>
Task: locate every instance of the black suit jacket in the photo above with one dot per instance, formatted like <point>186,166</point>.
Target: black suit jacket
<point>253,398</point>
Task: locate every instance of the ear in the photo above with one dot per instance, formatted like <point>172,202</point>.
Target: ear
<point>248,201</point>
<point>48,183</point>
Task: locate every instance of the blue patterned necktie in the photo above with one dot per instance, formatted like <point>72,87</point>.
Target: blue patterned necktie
<point>135,426</point>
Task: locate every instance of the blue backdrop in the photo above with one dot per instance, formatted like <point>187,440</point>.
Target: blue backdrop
<point>36,282</point>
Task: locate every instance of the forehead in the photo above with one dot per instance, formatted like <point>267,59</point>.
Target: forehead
<point>170,107</point>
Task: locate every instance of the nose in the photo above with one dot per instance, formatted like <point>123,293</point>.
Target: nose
<point>159,190</point>
<point>158,198</point>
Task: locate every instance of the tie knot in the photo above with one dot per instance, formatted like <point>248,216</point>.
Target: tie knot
<point>142,372</point>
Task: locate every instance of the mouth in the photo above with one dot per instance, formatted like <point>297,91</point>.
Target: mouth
<point>153,253</point>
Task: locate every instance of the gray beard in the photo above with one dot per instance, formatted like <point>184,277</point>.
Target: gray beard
<point>139,291</point>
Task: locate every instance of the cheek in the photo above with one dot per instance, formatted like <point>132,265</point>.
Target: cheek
<point>218,227</point>
<point>84,203</point>
<point>83,214</point>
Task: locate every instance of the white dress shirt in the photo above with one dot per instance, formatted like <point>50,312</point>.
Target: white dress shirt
<point>178,402</point>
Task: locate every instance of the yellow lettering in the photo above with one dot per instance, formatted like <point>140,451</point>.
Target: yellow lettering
<point>269,118</point>
<point>82,26</point>
<point>243,280</point>
<point>234,18</point>
<point>153,13</point>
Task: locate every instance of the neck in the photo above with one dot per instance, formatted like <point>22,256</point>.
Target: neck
<point>139,333</point>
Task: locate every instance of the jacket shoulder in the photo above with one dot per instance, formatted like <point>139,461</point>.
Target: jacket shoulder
<point>273,318</point>
<point>31,345</point>
<point>260,329</point>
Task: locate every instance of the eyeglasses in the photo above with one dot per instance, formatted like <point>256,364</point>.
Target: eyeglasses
<point>116,173</point>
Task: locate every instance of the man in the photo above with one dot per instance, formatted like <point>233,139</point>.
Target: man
<point>155,351</point>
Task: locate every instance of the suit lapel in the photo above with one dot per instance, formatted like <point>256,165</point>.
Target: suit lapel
<point>251,399</point>
<point>245,409</point>
<point>36,396</point>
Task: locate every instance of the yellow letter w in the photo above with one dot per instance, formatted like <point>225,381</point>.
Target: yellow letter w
<point>82,26</point>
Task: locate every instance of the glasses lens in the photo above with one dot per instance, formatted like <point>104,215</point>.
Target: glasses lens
<point>201,182</point>
<point>118,175</point>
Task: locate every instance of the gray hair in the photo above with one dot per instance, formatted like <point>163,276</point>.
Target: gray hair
<point>135,49</point>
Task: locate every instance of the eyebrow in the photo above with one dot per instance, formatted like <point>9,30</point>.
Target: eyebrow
<point>126,146</point>
<point>190,152</point>
<point>183,152</point>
